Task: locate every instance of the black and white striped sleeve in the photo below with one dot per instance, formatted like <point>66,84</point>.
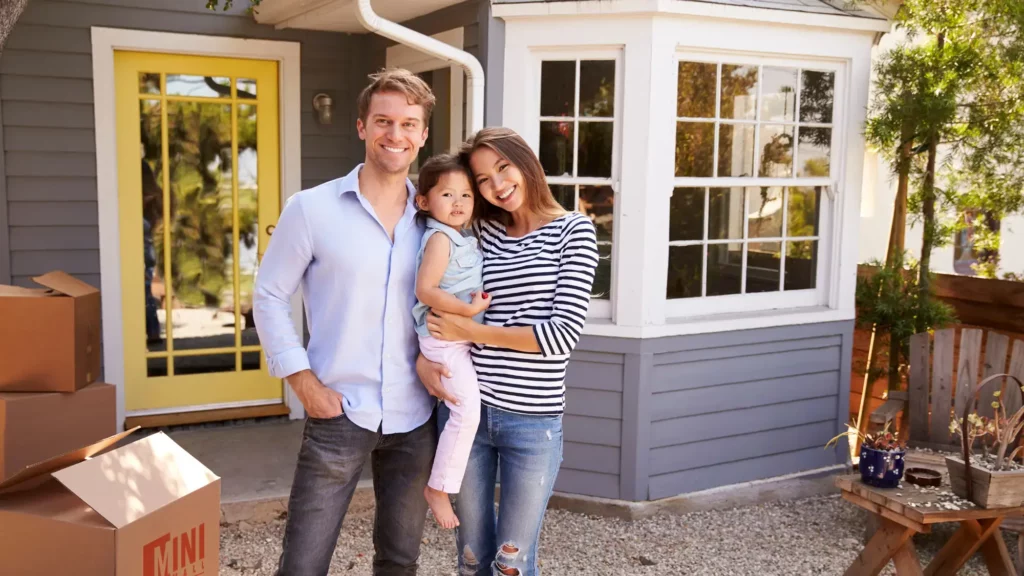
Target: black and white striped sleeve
<point>576,269</point>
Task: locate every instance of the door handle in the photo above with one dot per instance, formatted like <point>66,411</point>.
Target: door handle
<point>270,229</point>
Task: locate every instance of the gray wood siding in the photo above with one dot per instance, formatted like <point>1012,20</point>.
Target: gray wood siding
<point>739,412</point>
<point>592,425</point>
<point>46,104</point>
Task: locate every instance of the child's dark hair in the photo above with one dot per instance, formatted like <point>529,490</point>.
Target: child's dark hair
<point>436,167</point>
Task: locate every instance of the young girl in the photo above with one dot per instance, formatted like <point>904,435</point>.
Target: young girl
<point>449,279</point>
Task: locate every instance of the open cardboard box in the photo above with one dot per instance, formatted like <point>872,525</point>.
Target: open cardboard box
<point>49,337</point>
<point>147,508</point>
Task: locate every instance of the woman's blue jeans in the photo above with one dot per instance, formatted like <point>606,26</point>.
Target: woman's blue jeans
<point>527,450</point>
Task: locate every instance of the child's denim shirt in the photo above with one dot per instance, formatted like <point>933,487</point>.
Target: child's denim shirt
<point>463,276</point>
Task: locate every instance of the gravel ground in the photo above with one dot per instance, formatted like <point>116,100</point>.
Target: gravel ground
<point>812,536</point>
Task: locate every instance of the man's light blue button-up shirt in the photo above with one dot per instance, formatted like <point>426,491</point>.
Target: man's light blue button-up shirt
<point>358,290</point>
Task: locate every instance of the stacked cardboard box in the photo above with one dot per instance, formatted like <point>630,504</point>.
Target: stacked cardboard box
<point>70,502</point>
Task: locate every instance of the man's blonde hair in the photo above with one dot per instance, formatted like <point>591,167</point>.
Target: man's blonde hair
<point>399,80</point>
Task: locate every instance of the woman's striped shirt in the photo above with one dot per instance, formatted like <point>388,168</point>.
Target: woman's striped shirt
<point>542,279</point>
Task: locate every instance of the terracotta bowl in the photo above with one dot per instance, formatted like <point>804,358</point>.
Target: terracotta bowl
<point>923,477</point>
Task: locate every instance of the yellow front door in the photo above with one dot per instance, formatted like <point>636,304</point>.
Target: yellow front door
<point>198,188</point>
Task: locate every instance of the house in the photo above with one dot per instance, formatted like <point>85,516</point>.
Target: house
<point>716,144</point>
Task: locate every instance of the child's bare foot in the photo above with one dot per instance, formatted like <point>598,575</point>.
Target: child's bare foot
<point>441,507</point>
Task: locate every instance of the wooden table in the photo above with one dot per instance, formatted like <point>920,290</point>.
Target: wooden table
<point>903,512</point>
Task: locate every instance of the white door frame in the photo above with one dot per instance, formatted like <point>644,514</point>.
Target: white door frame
<point>402,56</point>
<point>104,42</point>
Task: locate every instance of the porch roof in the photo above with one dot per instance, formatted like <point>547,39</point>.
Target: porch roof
<point>340,15</point>
<point>838,7</point>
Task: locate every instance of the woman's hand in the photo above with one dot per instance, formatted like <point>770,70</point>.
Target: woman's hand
<point>450,327</point>
<point>430,374</point>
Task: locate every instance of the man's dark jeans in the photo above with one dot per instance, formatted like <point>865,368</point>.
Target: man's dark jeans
<point>330,462</point>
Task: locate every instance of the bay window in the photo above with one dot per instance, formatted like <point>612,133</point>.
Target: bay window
<point>750,212</point>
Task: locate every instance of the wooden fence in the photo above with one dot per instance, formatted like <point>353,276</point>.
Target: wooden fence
<point>979,303</point>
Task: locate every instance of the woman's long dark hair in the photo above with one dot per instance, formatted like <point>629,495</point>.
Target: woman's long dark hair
<point>511,146</point>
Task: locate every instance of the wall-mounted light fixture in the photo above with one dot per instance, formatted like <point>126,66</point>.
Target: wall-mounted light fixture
<point>324,106</point>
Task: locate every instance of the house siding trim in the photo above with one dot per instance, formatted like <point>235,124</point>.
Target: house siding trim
<point>104,42</point>
<point>5,232</point>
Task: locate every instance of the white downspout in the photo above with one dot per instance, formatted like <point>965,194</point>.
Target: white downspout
<point>474,71</point>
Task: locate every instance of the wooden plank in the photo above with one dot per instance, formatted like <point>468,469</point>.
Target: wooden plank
<point>884,512</point>
<point>889,538</point>
<point>945,561</point>
<point>967,369</point>
<point>906,561</point>
<point>160,420</point>
<point>919,505</point>
<point>995,363</point>
<point>920,368</point>
<point>887,412</point>
<point>1012,398</point>
<point>1003,293</point>
<point>942,387</point>
<point>997,557</point>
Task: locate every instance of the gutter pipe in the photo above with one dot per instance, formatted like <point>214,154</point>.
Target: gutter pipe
<point>474,71</point>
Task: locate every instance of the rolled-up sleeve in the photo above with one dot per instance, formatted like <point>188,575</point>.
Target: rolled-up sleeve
<point>576,269</point>
<point>280,273</point>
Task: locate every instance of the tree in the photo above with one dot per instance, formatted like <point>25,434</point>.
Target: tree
<point>213,4</point>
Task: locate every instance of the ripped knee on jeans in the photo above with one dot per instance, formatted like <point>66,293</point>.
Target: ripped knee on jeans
<point>506,555</point>
<point>470,563</point>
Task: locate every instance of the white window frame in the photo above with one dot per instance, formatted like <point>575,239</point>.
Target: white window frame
<point>827,250</point>
<point>603,307</point>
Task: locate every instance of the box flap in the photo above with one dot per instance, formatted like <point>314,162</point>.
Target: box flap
<point>65,284</point>
<point>36,471</point>
<point>18,291</point>
<point>126,484</point>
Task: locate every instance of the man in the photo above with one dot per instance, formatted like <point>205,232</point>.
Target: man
<point>351,244</point>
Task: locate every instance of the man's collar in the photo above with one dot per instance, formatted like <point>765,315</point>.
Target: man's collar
<point>350,183</point>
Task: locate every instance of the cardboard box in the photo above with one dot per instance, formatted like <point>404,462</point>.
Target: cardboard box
<point>36,426</point>
<point>147,508</point>
<point>49,337</point>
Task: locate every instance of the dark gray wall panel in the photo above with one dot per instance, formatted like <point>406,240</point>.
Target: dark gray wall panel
<point>54,237</point>
<point>57,189</point>
<point>726,397</point>
<point>745,446</point>
<point>590,458</point>
<point>590,375</point>
<point>25,139</point>
<point>597,403</point>
<point>587,483</point>
<point>586,429</point>
<point>743,471</point>
<point>750,420</point>
<point>46,89</point>
<point>741,368</point>
<point>29,262</point>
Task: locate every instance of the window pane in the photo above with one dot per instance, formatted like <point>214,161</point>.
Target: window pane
<point>815,151</point>
<point>776,159</point>
<point>149,83</point>
<point>603,275</point>
<point>735,150</point>
<point>696,94</point>
<point>725,269</point>
<point>764,212</point>
<point>778,97</point>
<point>205,364</point>
<point>595,153</point>
<point>802,220</point>
<point>597,88</point>
<point>684,271</point>
<point>763,259</point>
<point>686,214</point>
<point>817,96</point>
<point>598,202</point>
<point>695,148</point>
<point>725,219</point>
<point>153,245</point>
<point>251,360</point>
<point>248,221</point>
<point>245,88</point>
<point>556,148</point>
<point>198,86</point>
<point>557,88</point>
<point>801,265</point>
<point>739,92</point>
<point>565,195</point>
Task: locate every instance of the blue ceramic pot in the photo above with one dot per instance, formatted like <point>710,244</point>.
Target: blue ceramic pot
<point>880,468</point>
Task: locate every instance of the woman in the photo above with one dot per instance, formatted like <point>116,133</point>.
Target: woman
<point>539,263</point>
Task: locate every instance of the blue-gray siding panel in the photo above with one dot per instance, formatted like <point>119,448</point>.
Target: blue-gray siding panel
<point>46,106</point>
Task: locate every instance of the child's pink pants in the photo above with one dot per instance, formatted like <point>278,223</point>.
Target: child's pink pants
<point>457,437</point>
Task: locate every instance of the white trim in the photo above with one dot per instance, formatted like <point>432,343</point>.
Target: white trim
<point>721,323</point>
<point>677,8</point>
<point>219,406</point>
<point>416,61</point>
<point>104,42</point>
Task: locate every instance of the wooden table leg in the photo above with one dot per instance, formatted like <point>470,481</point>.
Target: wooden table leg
<point>994,551</point>
<point>906,561</point>
<point>964,543</point>
<point>888,540</point>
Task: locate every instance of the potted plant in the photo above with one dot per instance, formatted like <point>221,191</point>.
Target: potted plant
<point>881,455</point>
<point>994,478</point>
